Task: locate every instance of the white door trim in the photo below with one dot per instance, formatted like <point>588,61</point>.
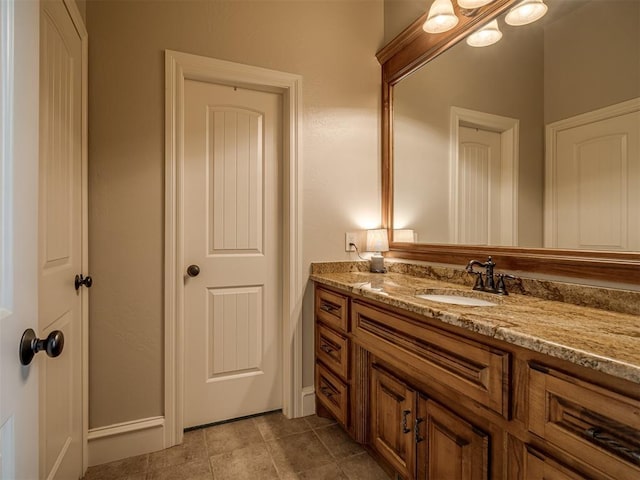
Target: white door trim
<point>550,164</point>
<point>509,141</point>
<point>178,68</point>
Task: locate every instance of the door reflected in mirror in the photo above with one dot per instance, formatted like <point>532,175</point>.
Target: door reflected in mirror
<point>533,141</point>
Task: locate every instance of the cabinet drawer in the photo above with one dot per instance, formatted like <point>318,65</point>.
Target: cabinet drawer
<point>596,425</point>
<point>332,392</point>
<point>331,308</point>
<point>539,466</point>
<point>332,350</point>
<point>472,369</point>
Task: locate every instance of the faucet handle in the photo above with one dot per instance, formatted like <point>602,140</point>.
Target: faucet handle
<point>501,288</point>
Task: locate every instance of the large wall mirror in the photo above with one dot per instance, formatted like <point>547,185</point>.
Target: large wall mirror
<point>527,149</point>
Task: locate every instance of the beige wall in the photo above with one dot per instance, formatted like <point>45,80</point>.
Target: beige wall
<point>399,14</point>
<point>504,79</point>
<point>330,43</point>
<point>592,58</point>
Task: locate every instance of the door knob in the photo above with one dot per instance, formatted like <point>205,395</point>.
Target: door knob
<point>193,270</point>
<point>30,345</point>
<point>80,281</point>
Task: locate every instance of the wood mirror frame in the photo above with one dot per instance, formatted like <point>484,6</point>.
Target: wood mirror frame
<point>406,53</point>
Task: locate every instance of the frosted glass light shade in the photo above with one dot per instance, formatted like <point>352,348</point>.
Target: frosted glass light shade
<point>471,4</point>
<point>487,35</point>
<point>441,17</point>
<point>377,240</point>
<point>527,11</point>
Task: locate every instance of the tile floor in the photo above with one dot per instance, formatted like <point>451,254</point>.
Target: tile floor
<point>265,447</point>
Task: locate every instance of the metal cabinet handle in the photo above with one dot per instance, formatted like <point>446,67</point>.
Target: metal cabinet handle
<point>326,391</point>
<point>30,345</point>
<point>326,348</point>
<point>405,414</point>
<point>193,270</point>
<point>83,281</point>
<point>609,442</point>
<point>417,430</point>
<point>327,307</point>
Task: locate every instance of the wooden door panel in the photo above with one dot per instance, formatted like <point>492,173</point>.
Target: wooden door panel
<point>586,420</point>
<point>538,466</point>
<point>392,417</point>
<point>449,446</point>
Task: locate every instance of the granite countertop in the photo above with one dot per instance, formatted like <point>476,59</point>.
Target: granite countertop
<point>599,339</point>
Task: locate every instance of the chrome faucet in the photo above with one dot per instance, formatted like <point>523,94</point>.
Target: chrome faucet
<point>489,283</point>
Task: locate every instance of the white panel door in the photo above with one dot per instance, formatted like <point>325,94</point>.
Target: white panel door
<point>479,158</point>
<point>232,308</point>
<point>60,241</point>
<point>597,185</point>
<point>18,236</point>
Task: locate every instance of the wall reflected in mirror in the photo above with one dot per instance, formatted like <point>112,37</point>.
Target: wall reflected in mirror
<point>533,141</point>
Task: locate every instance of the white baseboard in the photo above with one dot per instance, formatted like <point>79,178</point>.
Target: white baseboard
<point>128,439</point>
<point>308,401</point>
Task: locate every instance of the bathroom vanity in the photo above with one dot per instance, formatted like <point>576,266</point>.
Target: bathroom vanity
<point>525,389</point>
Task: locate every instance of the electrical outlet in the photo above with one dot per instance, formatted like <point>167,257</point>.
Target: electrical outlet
<point>350,237</point>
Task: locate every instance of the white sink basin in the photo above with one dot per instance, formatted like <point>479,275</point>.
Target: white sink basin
<point>457,300</point>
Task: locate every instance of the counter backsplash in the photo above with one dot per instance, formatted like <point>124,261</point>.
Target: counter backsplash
<point>611,299</point>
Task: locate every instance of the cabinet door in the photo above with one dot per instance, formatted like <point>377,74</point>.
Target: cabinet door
<point>392,414</point>
<point>538,466</point>
<point>448,446</point>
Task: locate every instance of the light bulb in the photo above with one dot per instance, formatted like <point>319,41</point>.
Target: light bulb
<point>471,4</point>
<point>526,12</point>
<point>487,35</point>
<point>441,17</point>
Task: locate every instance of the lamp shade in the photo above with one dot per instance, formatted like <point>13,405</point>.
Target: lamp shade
<point>525,12</point>
<point>471,4</point>
<point>441,17</point>
<point>404,235</point>
<point>377,240</point>
<point>487,35</point>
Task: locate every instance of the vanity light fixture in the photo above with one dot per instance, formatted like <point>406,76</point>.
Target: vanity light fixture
<point>441,17</point>
<point>525,12</point>
<point>473,4</point>
<point>487,35</point>
<point>377,242</point>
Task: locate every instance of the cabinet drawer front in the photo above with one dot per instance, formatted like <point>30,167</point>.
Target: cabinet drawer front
<point>332,350</point>
<point>596,425</point>
<point>331,308</point>
<point>538,466</point>
<point>333,393</point>
<point>472,369</point>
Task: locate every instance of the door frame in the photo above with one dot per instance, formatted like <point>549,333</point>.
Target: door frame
<point>509,130</point>
<point>178,68</point>
<point>551,159</point>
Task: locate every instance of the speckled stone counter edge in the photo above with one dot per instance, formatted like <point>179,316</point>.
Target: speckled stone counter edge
<point>501,330</point>
<point>610,299</point>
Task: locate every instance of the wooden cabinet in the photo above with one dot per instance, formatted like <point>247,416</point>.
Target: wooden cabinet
<point>420,438</point>
<point>393,406</point>
<point>538,466</point>
<point>586,421</point>
<point>448,446</point>
<point>332,354</point>
<point>435,402</point>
